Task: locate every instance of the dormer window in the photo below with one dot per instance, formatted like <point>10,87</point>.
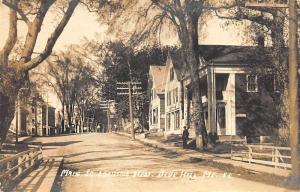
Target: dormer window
<point>171,74</point>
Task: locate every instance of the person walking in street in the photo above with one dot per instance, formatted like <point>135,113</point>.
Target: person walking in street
<point>185,137</point>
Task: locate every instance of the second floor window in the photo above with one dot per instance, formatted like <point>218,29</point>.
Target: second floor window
<point>176,99</point>
<point>153,94</point>
<point>252,83</point>
<point>171,74</point>
<point>169,97</point>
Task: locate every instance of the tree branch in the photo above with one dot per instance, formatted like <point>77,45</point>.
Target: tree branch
<point>12,37</point>
<point>34,29</point>
<point>52,39</point>
<point>15,7</point>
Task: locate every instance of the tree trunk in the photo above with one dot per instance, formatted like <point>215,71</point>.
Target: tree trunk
<point>189,41</point>
<point>281,70</point>
<point>63,118</point>
<point>7,111</point>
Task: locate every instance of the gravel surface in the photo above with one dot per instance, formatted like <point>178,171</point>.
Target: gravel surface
<point>109,162</point>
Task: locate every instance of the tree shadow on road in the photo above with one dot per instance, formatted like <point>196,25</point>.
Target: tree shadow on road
<point>96,151</point>
<point>61,143</point>
<point>111,158</point>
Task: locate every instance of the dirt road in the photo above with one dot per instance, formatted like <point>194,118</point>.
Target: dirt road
<point>112,163</point>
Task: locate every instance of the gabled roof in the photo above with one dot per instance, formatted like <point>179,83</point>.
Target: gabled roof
<point>158,77</point>
<point>222,55</point>
<point>178,63</point>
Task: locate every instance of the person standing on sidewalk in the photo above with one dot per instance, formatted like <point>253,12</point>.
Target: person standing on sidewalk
<point>185,137</point>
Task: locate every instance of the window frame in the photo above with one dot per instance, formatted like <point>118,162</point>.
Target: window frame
<point>249,83</point>
<point>171,74</point>
<point>177,120</point>
<point>168,121</point>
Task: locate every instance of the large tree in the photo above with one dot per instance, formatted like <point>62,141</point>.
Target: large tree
<point>14,72</point>
<point>185,17</point>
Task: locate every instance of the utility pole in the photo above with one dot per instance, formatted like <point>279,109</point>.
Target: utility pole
<point>131,90</point>
<point>293,91</point>
<point>293,82</point>
<point>18,117</point>
<point>131,111</point>
<point>105,106</point>
<point>47,118</point>
<point>108,117</point>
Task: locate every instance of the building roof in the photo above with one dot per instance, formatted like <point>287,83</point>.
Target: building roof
<point>158,77</point>
<point>227,54</point>
<point>177,61</point>
<point>221,55</point>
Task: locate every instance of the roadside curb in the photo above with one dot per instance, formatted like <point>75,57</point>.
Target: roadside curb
<point>211,157</point>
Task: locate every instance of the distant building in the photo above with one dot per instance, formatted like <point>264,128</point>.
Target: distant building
<point>157,98</point>
<point>173,95</point>
<point>33,116</point>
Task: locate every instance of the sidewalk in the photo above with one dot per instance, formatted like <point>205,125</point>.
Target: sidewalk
<point>217,158</point>
<point>41,179</point>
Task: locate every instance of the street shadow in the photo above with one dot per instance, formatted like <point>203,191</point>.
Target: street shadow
<point>8,149</point>
<point>33,181</point>
<point>61,144</point>
<point>97,151</point>
<point>48,148</point>
<point>133,157</point>
<point>170,155</point>
<point>193,160</point>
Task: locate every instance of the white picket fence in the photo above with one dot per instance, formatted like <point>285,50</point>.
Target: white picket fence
<point>262,154</point>
<point>12,168</point>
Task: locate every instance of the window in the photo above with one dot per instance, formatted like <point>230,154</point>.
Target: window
<point>171,74</point>
<point>168,121</point>
<point>167,98</point>
<point>252,83</point>
<point>177,120</point>
<point>155,116</point>
<point>150,115</point>
<point>153,94</point>
<point>221,116</point>
<point>169,101</point>
<point>175,95</point>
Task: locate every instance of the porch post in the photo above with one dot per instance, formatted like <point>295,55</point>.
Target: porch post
<point>211,101</point>
<point>230,106</point>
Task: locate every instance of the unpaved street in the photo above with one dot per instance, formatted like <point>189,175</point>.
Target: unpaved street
<point>109,162</point>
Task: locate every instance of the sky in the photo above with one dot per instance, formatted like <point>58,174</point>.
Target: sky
<point>84,24</point>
